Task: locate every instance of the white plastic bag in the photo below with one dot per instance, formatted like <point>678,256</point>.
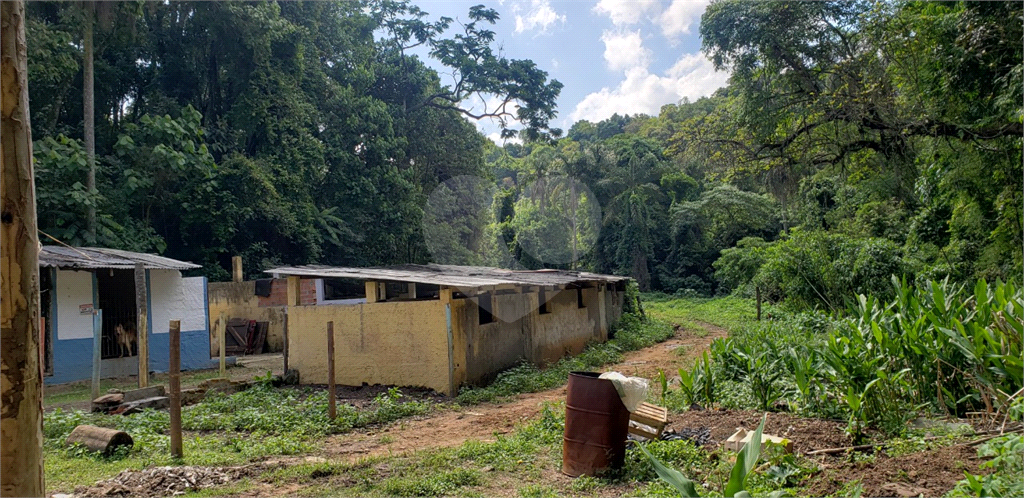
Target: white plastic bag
<point>632,390</point>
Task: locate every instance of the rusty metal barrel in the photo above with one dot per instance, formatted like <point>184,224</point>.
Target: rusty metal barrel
<point>596,424</point>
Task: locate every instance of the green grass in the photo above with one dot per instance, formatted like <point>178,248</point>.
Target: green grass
<point>730,312</point>
<point>224,430</point>
<point>79,392</point>
<point>630,334</point>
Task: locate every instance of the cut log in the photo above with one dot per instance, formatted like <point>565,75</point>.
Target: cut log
<point>99,439</point>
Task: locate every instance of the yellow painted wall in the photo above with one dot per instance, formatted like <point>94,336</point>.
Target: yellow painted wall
<point>239,300</point>
<point>485,350</point>
<point>401,343</point>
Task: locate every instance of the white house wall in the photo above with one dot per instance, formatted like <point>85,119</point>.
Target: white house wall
<point>169,297</point>
<point>74,288</point>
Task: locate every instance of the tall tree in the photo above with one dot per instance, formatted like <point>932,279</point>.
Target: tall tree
<point>21,380</point>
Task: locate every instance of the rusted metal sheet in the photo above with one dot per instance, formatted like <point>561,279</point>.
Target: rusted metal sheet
<point>596,424</point>
<point>450,275</point>
<point>95,257</point>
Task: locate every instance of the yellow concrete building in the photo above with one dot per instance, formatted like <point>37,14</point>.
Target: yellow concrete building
<point>439,326</point>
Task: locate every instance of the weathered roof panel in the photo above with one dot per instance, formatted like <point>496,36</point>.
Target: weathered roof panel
<point>96,257</point>
<point>450,275</point>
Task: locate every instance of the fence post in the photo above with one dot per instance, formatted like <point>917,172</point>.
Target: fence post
<point>222,331</point>
<point>331,395</point>
<point>97,343</point>
<point>757,290</point>
<point>175,387</point>
<point>142,337</point>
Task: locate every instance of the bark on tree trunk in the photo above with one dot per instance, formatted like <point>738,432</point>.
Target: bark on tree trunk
<point>88,96</point>
<point>21,424</point>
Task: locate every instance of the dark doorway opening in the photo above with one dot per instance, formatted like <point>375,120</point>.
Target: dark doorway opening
<point>116,296</point>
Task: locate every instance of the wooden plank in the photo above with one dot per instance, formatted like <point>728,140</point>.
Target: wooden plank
<point>261,337</point>
<point>233,325</point>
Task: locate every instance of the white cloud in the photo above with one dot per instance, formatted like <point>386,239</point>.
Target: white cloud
<point>540,16</point>
<point>680,16</point>
<point>692,76</point>
<point>554,63</point>
<point>627,12</point>
<point>625,50</point>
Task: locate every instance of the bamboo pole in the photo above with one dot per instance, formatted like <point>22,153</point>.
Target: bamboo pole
<point>175,387</point>
<point>332,401</point>
<point>21,427</point>
<point>141,332</point>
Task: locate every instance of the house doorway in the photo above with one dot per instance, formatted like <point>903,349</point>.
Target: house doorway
<point>116,297</point>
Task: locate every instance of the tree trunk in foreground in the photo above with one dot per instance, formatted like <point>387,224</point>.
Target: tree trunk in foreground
<point>21,423</point>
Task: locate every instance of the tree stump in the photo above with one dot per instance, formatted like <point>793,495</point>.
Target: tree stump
<point>99,439</point>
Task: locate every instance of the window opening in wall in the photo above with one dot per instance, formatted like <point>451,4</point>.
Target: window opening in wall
<point>545,305</point>
<point>343,288</point>
<point>620,286</point>
<point>579,298</point>
<point>428,291</point>
<point>484,303</point>
<point>116,290</point>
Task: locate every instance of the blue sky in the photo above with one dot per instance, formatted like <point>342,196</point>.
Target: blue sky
<point>613,56</point>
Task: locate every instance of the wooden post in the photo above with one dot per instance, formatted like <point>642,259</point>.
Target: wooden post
<point>222,332</point>
<point>97,343</point>
<point>21,427</point>
<point>175,388</point>
<point>141,329</point>
<point>757,290</point>
<point>331,394</point>
<point>236,268</point>
<point>285,352</point>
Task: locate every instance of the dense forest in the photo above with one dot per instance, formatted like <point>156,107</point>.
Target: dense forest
<point>863,141</point>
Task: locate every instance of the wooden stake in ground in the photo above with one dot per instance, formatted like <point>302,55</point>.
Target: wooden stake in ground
<point>97,343</point>
<point>332,401</point>
<point>21,425</point>
<point>175,387</point>
<point>141,310</point>
<point>285,352</point>
<point>222,332</point>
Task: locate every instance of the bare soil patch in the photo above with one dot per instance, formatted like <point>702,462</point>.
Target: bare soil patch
<point>482,422</point>
<point>927,473</point>
<point>807,434</point>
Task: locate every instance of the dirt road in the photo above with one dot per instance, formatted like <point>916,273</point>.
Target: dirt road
<point>482,422</point>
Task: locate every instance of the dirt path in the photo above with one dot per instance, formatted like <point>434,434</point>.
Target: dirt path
<point>482,422</point>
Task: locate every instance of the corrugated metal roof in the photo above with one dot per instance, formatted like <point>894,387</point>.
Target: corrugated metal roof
<point>454,276</point>
<point>96,257</point>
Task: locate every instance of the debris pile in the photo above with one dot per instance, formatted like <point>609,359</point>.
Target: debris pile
<point>699,436</point>
<point>167,481</point>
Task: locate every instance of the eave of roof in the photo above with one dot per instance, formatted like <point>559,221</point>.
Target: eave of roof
<point>449,275</point>
<point>86,258</point>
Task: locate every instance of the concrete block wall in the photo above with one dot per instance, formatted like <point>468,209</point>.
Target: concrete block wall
<point>239,300</point>
<point>390,343</point>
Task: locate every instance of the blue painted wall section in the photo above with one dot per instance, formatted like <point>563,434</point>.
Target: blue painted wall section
<point>72,358</point>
